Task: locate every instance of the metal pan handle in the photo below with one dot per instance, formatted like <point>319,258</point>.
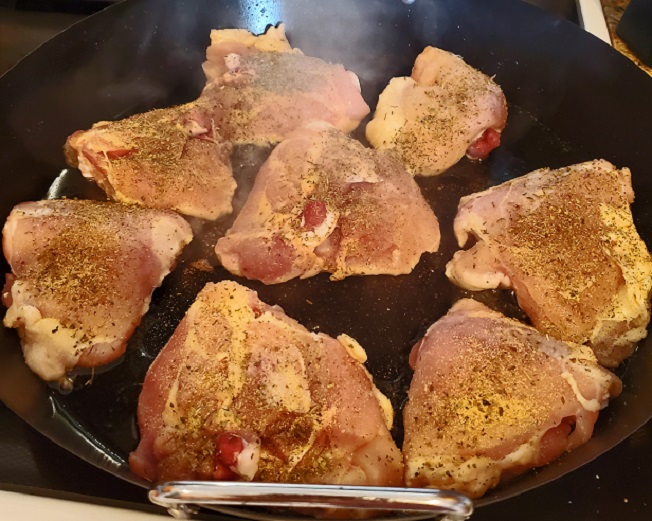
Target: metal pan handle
<point>179,497</point>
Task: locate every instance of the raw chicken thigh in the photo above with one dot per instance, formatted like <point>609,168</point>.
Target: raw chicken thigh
<point>445,110</point>
<point>565,241</point>
<point>266,89</point>
<point>323,202</point>
<point>166,159</point>
<point>83,276</point>
<point>243,392</point>
<point>491,398</point>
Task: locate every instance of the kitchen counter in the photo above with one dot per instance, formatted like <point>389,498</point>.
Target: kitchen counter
<point>613,10</point>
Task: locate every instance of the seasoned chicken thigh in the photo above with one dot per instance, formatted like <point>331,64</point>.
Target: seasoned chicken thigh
<point>323,202</point>
<point>83,276</point>
<point>565,241</point>
<point>266,89</point>
<point>444,110</point>
<point>243,392</point>
<point>491,398</point>
<point>170,159</point>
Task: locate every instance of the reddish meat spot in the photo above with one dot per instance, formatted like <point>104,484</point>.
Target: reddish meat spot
<point>229,446</point>
<point>6,291</point>
<point>266,262</point>
<point>554,442</point>
<point>120,152</point>
<point>314,214</point>
<point>480,149</point>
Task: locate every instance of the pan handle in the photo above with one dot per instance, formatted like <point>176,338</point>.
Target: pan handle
<point>182,497</point>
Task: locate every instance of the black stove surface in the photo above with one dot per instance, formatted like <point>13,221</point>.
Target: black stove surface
<point>31,463</point>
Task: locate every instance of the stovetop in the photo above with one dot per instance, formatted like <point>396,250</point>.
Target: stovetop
<point>31,463</point>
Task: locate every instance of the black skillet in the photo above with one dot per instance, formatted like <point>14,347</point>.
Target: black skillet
<point>572,98</point>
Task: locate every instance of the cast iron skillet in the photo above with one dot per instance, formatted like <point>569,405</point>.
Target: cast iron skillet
<point>572,98</point>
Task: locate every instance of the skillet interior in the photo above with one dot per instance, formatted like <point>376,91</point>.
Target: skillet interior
<point>566,105</point>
